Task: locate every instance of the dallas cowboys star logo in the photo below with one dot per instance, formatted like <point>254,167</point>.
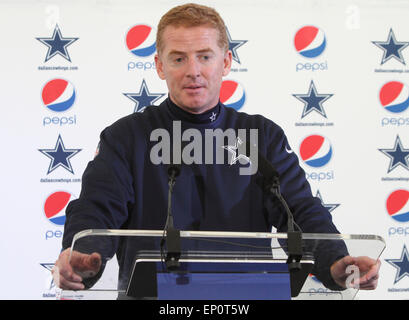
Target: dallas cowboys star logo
<point>391,48</point>
<point>313,101</point>
<point>213,117</point>
<point>143,98</point>
<point>234,150</point>
<point>234,45</point>
<point>57,44</point>
<point>60,156</point>
<point>329,206</point>
<point>401,265</point>
<point>398,154</point>
<point>49,267</point>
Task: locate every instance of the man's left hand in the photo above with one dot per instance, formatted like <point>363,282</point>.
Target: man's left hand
<point>344,272</point>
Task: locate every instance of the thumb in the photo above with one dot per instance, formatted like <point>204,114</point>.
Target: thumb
<point>82,261</point>
<point>348,260</point>
<point>345,262</point>
<point>94,261</point>
<point>339,267</point>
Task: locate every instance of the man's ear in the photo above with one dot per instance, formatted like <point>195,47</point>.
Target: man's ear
<point>227,62</point>
<point>159,67</point>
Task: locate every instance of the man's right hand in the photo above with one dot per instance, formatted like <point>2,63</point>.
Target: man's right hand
<point>68,273</point>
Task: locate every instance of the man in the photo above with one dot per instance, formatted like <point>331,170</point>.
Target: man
<point>123,188</point>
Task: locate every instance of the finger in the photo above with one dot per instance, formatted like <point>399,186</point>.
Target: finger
<point>70,275</point>
<point>94,261</point>
<point>346,261</point>
<point>339,267</point>
<point>365,282</point>
<point>62,268</point>
<point>70,285</point>
<point>66,272</point>
<point>373,272</point>
<point>89,263</point>
<point>64,283</point>
<point>87,266</point>
<point>371,285</point>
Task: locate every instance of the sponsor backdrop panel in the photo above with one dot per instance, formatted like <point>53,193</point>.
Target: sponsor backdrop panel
<point>335,76</point>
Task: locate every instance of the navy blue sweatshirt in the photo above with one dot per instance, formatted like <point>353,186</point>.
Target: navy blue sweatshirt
<point>123,189</point>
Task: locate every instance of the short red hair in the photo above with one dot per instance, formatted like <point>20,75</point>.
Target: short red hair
<point>192,15</point>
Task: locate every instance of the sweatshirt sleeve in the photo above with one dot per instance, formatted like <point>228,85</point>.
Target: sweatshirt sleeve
<point>106,192</point>
<point>308,211</point>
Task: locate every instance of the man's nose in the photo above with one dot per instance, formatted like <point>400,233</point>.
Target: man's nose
<point>193,69</point>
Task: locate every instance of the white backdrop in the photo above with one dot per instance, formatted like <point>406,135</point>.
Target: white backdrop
<point>364,55</point>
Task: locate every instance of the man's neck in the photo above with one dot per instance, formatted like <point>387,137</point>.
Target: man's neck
<point>207,116</point>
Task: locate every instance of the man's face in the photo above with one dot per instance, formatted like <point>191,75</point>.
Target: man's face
<point>193,64</point>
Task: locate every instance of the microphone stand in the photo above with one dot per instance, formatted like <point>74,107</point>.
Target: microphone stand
<point>272,186</point>
<point>294,238</point>
<point>172,234</point>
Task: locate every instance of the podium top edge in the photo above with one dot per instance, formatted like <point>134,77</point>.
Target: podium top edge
<point>223,234</point>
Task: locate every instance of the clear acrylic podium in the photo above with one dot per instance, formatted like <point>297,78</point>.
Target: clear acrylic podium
<point>212,265</point>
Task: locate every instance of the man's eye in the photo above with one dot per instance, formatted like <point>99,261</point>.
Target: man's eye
<point>178,60</point>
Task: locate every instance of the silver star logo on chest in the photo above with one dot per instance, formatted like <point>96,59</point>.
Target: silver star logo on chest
<point>236,155</point>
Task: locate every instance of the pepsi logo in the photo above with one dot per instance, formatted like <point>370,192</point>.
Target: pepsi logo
<point>397,205</point>
<point>316,151</point>
<point>314,278</point>
<point>58,95</point>
<point>394,96</point>
<point>310,41</point>
<point>54,207</point>
<point>232,94</point>
<point>141,40</point>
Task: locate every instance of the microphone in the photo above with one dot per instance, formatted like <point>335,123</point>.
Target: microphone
<point>272,186</point>
<point>174,171</point>
<point>172,234</point>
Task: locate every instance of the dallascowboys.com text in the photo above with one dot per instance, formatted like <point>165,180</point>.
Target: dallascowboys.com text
<point>206,309</point>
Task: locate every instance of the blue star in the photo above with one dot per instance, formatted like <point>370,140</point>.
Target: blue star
<point>401,265</point>
<point>313,101</point>
<point>60,157</point>
<point>143,98</point>
<point>399,156</point>
<point>234,45</point>
<point>57,44</point>
<point>329,206</point>
<point>49,267</point>
<point>391,48</point>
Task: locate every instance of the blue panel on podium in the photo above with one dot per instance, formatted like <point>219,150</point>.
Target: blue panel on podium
<point>224,281</point>
<point>215,276</point>
<point>224,286</point>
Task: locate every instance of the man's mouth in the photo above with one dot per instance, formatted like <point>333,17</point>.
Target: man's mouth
<point>193,87</point>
